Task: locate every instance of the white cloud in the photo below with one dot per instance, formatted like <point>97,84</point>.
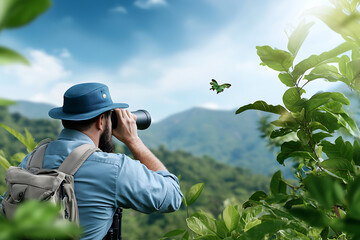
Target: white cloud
<point>53,95</point>
<point>210,105</point>
<point>118,9</point>
<point>44,69</point>
<point>146,4</point>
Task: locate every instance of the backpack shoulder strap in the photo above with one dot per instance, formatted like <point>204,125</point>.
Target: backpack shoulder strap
<point>36,157</point>
<point>76,158</point>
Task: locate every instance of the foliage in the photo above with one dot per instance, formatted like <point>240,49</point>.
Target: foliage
<point>37,220</point>
<point>324,204</point>
<point>14,14</point>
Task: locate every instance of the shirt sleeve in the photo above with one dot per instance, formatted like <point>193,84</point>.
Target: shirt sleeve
<point>144,190</point>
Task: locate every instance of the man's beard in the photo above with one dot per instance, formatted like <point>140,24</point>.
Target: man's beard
<point>105,142</point>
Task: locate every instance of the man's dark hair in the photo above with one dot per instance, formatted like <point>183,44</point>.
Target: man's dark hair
<point>84,124</point>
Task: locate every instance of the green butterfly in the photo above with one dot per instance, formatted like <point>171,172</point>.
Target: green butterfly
<point>218,88</point>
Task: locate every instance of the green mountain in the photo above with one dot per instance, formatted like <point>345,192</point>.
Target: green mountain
<point>33,110</point>
<point>222,135</point>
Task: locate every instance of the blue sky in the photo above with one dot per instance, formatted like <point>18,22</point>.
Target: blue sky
<point>159,55</point>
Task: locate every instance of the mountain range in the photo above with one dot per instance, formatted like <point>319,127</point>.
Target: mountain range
<point>219,134</point>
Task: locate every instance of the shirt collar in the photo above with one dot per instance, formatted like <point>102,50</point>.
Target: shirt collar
<point>74,135</point>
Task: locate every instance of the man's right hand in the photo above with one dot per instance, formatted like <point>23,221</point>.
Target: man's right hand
<point>126,129</point>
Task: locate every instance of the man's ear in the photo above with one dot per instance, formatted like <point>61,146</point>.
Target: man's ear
<point>100,122</point>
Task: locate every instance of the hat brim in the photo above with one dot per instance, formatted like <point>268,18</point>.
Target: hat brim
<point>58,113</point>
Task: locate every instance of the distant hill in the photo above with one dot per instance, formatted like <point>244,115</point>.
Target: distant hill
<point>33,110</point>
<point>222,135</point>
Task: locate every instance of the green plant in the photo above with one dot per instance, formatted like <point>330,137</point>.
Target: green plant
<point>14,14</point>
<point>324,204</point>
<point>37,220</point>
<point>27,141</point>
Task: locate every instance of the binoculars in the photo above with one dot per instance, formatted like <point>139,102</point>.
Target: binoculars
<point>143,119</point>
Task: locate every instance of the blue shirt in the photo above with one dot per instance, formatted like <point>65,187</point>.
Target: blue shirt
<point>106,181</point>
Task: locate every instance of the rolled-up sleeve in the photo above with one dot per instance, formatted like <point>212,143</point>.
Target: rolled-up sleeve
<point>144,190</point>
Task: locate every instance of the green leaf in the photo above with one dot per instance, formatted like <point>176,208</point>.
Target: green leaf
<point>197,226</point>
<point>346,25</point>
<point>259,231</point>
<point>292,149</point>
<point>231,218</point>
<point>193,193</point>
<point>262,106</point>
<point>36,213</point>
<point>286,120</point>
<point>317,137</point>
<point>322,98</point>
<point>350,225</point>
<point>298,36</point>
<point>303,137</point>
<point>249,204</point>
<point>258,195</point>
<point>186,236</point>
<point>327,119</point>
<point>324,233</point>
<point>316,126</point>
<point>280,132</point>
<point>208,221</point>
<point>353,198</point>
<point>277,199</point>
<point>333,107</point>
<point>277,184</point>
<point>16,13</point>
<point>8,56</point>
<point>174,233</point>
<point>278,60</point>
<point>311,216</point>
<point>293,202</point>
<point>343,64</point>
<point>19,136</point>
<point>286,79</point>
<point>338,149</point>
<point>208,237</point>
<point>339,166</point>
<point>292,99</point>
<point>6,102</point>
<point>347,123</point>
<point>4,162</point>
<point>324,71</point>
<point>326,190</point>
<point>221,229</point>
<point>30,142</point>
<point>316,60</point>
<point>356,152</point>
<point>353,74</point>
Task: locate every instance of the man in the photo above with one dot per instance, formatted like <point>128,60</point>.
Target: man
<point>106,180</point>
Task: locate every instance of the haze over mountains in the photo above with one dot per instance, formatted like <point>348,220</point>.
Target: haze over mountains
<point>222,135</point>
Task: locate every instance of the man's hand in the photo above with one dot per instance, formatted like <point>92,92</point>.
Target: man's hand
<point>126,130</point>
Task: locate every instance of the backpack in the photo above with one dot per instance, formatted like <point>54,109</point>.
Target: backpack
<point>52,185</point>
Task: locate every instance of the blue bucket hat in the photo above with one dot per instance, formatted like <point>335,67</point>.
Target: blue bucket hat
<point>85,101</point>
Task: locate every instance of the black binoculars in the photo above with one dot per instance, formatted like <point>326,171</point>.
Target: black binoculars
<point>143,119</point>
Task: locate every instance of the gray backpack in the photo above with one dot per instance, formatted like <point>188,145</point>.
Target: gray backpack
<point>52,185</point>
